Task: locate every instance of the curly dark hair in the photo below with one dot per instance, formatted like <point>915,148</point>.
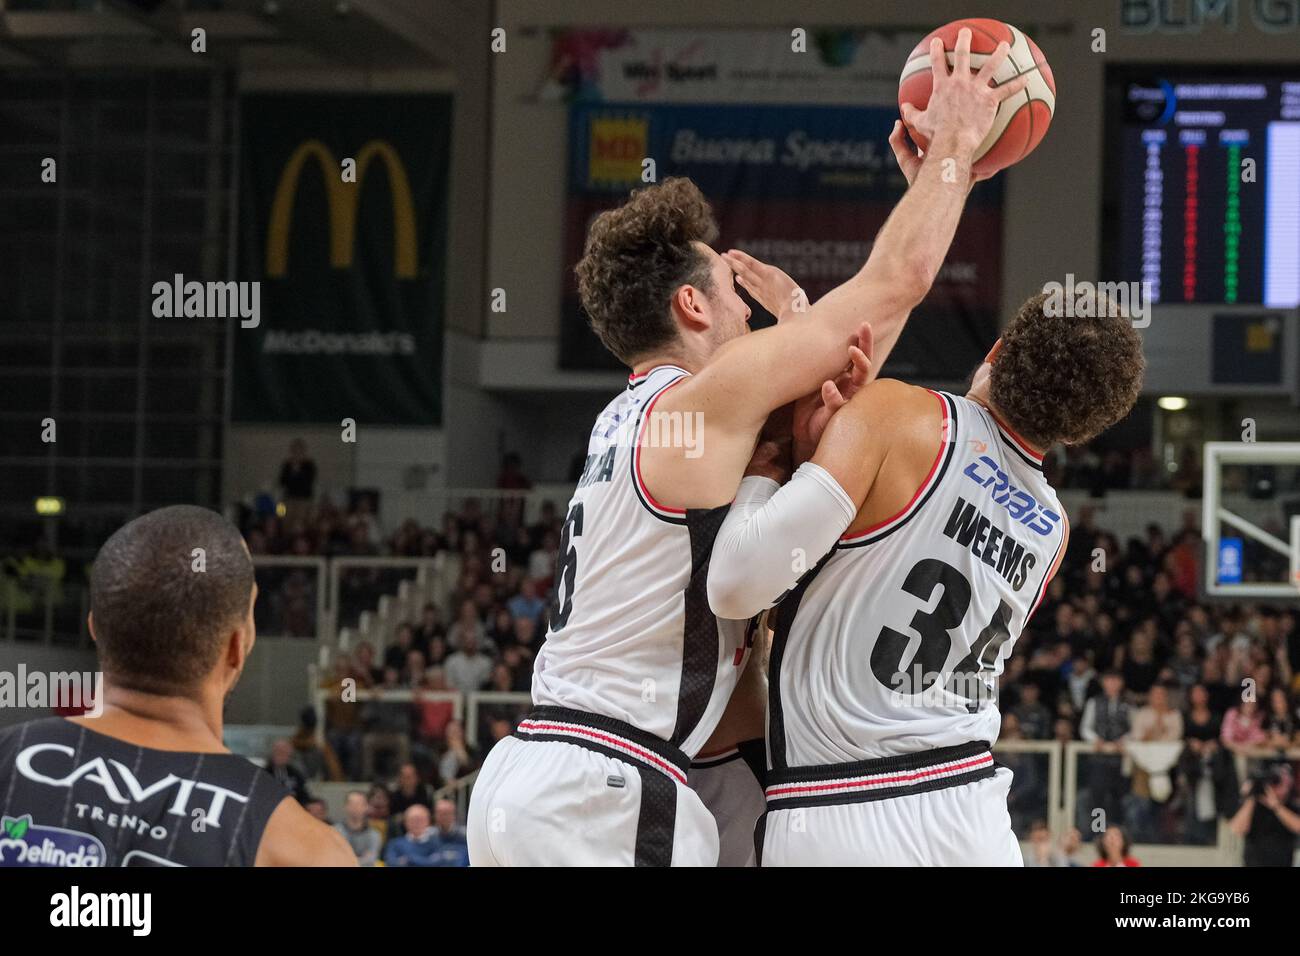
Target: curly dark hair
<point>637,255</point>
<point>1060,378</point>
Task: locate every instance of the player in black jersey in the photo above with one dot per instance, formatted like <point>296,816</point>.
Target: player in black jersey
<point>149,782</point>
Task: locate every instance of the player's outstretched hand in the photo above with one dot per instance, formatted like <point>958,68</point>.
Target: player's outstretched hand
<point>813,412</point>
<point>770,287</point>
<point>962,104</point>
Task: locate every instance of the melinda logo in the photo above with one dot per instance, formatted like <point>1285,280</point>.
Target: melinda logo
<point>342,197</point>
<point>60,690</point>
<point>23,843</point>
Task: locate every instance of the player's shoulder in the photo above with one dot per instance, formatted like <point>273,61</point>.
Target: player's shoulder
<point>890,405</point>
<point>293,837</point>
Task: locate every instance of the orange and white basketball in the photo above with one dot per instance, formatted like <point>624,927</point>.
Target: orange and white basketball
<point>1021,121</point>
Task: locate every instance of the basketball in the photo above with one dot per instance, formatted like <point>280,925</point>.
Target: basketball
<point>1021,121</point>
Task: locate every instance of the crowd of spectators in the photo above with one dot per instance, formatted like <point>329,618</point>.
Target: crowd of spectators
<point>1124,649</point>
<point>399,825</point>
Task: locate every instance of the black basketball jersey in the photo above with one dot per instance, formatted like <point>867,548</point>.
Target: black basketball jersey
<point>70,796</point>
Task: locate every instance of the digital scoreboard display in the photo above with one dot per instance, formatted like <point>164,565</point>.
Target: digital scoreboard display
<point>1202,188</point>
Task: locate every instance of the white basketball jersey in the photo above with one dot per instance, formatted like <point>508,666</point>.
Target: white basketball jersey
<point>631,634</point>
<point>894,642</point>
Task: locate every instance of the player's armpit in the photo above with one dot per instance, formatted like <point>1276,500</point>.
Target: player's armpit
<point>293,837</point>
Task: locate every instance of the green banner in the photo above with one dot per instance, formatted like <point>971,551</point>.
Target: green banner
<point>343,208</point>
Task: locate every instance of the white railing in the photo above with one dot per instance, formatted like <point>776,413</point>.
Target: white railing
<point>1052,751</point>
<point>401,606</point>
<point>489,697</point>
<point>390,696</point>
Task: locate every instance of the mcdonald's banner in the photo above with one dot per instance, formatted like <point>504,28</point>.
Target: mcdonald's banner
<point>343,205</point>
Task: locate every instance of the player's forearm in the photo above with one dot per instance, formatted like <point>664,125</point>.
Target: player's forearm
<point>771,537</point>
<point>911,246</point>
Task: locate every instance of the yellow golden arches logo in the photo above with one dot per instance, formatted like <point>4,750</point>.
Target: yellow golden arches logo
<point>342,198</point>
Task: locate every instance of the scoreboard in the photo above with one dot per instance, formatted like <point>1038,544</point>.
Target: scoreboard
<point>1202,186</point>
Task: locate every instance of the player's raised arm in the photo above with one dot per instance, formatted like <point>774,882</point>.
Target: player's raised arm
<point>751,375</point>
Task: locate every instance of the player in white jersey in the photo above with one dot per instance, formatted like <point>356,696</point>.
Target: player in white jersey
<point>931,534</point>
<point>636,670</point>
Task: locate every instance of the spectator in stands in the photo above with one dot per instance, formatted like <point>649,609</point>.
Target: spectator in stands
<point>409,791</point>
<point>541,563</point>
<point>379,811</point>
<point>413,675</point>
<point>342,715</point>
<point>1280,722</point>
<point>418,844</point>
<point>1106,724</point>
<point>314,755</point>
<point>1070,843</point>
<point>430,627</point>
<point>387,726</point>
<point>365,520</point>
<point>1140,670</point>
<point>364,669</point>
<point>453,845</point>
<point>1268,821</point>
<point>468,669</point>
<point>502,632</point>
<point>467,624</point>
<point>437,652</point>
<point>1222,695</point>
<point>395,655</point>
<point>1113,848</point>
<point>1041,850</point>
<point>1082,682</point>
<point>458,759</point>
<point>432,716</point>
<point>1204,767</point>
<point>1243,727</point>
<point>297,482</point>
<point>527,603</point>
<point>356,829</point>
<point>519,666</point>
<point>1157,721</point>
<point>526,631</point>
<point>1184,667</point>
<point>1035,719</point>
<point>280,765</point>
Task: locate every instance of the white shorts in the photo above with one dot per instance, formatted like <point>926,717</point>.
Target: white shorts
<point>730,784</point>
<point>573,789</point>
<point>962,824</point>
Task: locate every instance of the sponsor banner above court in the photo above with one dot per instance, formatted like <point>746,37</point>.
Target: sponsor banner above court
<point>343,203</point>
<point>831,65</point>
<point>803,187</point>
